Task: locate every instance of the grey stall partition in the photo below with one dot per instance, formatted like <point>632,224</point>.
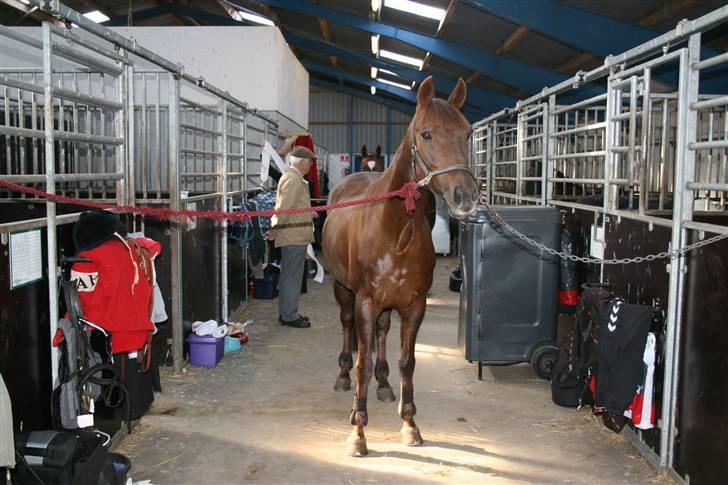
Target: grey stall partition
<point>508,301</point>
<point>643,169</point>
<point>90,114</point>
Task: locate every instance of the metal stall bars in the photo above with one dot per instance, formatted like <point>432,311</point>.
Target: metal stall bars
<point>200,165</point>
<point>63,127</point>
<point>531,154</point>
<point>658,157</point>
<point>504,161</point>
<point>481,157</point>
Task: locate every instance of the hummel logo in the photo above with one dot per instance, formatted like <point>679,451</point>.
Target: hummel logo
<point>613,317</point>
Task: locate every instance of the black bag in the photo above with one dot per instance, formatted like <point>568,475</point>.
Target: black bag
<point>47,455</point>
<point>96,465</point>
<point>65,458</point>
<point>578,351</point>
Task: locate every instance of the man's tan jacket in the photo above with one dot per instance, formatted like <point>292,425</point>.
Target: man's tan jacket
<point>290,229</point>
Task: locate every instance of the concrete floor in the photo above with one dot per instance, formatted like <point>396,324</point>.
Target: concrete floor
<point>269,415</point>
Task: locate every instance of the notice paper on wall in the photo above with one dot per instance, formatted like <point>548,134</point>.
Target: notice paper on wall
<point>597,244</point>
<point>26,258</point>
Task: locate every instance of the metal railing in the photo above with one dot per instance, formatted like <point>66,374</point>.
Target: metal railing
<point>91,114</point>
<point>637,151</point>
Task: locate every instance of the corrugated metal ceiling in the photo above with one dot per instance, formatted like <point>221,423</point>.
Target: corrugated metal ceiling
<point>467,25</point>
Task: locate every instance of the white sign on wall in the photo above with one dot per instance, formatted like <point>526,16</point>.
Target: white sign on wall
<point>339,167</point>
<point>26,258</point>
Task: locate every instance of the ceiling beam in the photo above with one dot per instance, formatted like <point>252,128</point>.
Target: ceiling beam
<point>664,13</point>
<point>390,103</point>
<point>448,13</point>
<point>483,99</point>
<point>573,26</point>
<point>508,71</point>
<point>405,94</point>
<point>31,12</point>
<point>507,45</point>
<point>326,33</point>
<point>513,39</point>
<point>440,28</point>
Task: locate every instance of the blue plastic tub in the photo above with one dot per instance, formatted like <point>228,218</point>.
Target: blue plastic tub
<point>232,344</point>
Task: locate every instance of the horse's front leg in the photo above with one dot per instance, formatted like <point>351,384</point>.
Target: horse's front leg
<point>365,319</point>
<point>411,318</point>
<point>381,369</point>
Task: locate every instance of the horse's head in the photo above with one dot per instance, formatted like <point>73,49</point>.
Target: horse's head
<point>371,162</point>
<point>439,136</point>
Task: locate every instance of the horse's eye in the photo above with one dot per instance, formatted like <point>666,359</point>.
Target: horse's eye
<point>426,135</point>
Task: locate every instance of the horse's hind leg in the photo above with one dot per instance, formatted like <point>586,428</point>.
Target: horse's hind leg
<point>346,302</point>
<point>381,368</point>
<point>411,320</point>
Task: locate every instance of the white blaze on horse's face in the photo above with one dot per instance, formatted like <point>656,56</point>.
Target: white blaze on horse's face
<point>371,164</point>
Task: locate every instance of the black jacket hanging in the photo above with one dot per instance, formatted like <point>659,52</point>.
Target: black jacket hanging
<point>623,334</point>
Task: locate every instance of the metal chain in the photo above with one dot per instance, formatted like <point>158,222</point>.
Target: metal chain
<point>675,253</point>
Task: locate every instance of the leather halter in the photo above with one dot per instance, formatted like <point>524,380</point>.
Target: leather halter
<point>415,156</point>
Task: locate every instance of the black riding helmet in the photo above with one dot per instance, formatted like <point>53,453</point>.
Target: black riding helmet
<point>95,227</point>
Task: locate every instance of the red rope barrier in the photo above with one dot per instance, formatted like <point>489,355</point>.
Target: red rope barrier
<point>409,192</point>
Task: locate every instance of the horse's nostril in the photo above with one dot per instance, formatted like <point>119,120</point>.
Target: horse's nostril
<point>457,195</point>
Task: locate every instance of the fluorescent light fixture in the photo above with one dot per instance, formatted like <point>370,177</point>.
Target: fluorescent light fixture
<point>25,2</point>
<point>392,83</point>
<point>373,72</point>
<point>373,90</point>
<point>416,8</point>
<point>96,16</point>
<point>375,44</point>
<point>412,61</point>
<point>376,7</point>
<point>256,19</point>
<point>387,71</point>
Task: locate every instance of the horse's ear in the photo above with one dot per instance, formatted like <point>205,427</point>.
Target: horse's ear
<point>457,97</point>
<point>364,151</point>
<point>426,92</point>
<point>379,151</point>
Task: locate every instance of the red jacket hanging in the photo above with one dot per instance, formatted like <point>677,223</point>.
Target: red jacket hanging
<point>307,141</point>
<point>115,290</point>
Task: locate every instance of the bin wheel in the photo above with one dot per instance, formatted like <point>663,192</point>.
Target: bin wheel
<point>543,360</point>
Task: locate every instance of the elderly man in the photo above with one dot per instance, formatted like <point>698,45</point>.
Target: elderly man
<point>292,233</point>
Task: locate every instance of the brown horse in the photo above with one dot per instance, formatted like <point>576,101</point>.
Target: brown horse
<point>382,258</point>
<point>371,162</point>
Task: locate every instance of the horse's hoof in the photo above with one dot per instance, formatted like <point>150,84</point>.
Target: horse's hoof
<point>342,384</point>
<point>356,446</point>
<point>385,394</point>
<point>411,436</point>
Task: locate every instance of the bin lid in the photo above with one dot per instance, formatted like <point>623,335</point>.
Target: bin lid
<point>201,339</point>
<point>517,213</point>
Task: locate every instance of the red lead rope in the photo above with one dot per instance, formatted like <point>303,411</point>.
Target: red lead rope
<point>409,192</point>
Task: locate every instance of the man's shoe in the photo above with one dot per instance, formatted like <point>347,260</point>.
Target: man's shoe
<point>298,323</point>
<point>302,317</point>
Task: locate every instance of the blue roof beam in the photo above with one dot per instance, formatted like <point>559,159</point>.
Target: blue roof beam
<point>403,107</point>
<point>585,30</point>
<point>522,76</point>
<point>482,98</point>
<point>471,113</point>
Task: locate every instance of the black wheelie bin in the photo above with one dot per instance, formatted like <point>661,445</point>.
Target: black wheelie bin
<point>508,303</point>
